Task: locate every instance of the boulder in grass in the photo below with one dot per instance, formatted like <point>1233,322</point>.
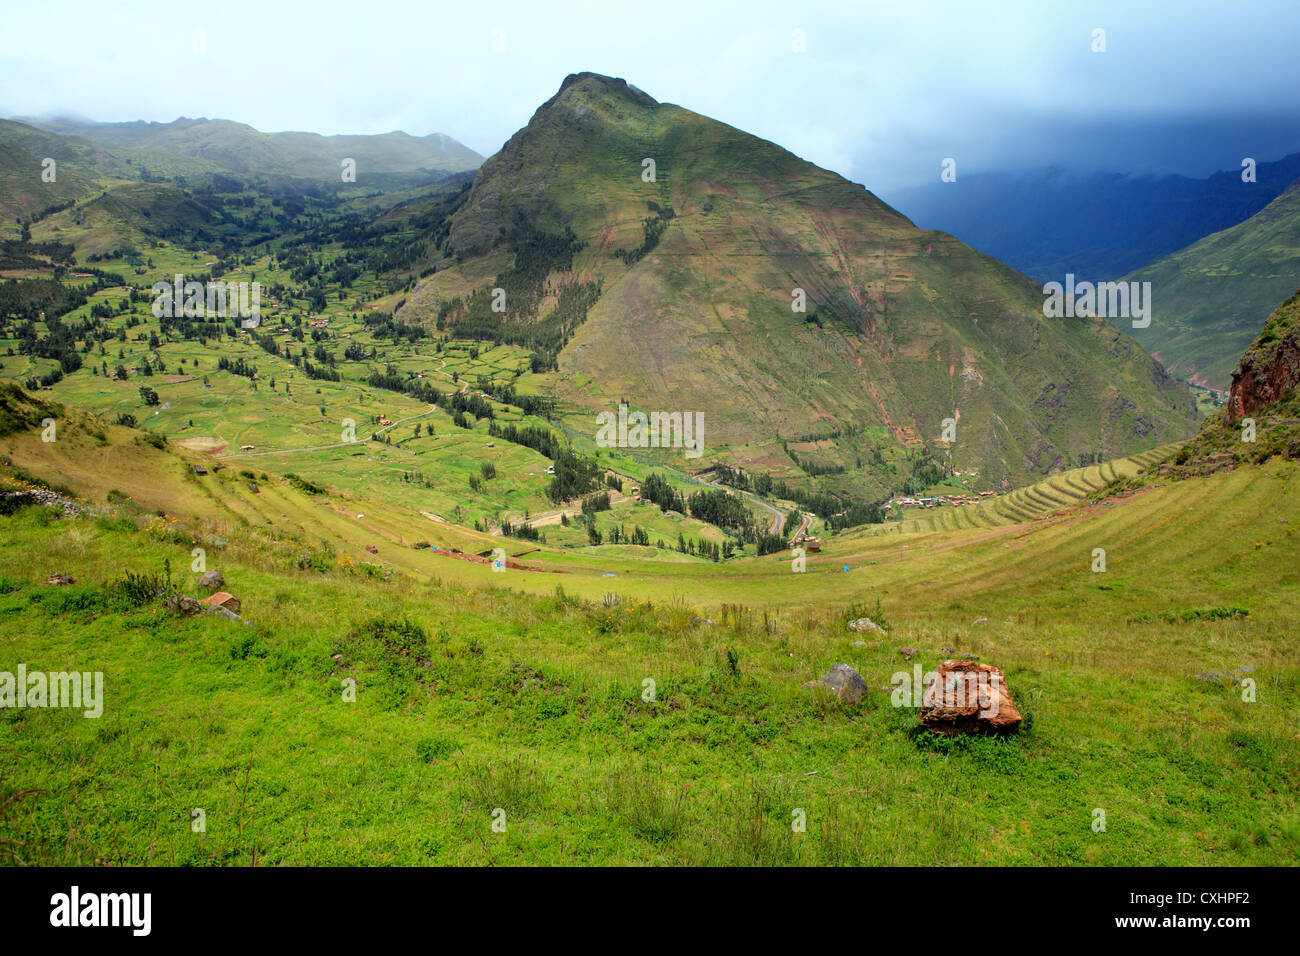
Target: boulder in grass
<point>968,697</point>
<point>213,580</point>
<point>185,606</point>
<point>61,580</point>
<point>842,681</point>
<point>866,624</point>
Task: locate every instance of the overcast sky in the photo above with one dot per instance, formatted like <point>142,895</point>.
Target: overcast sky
<point>882,94</point>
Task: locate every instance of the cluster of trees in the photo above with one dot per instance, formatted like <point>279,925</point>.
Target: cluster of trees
<point>540,439</point>
<point>537,405</point>
<point>575,475</point>
<point>657,489</point>
<point>24,254</point>
<point>237,367</point>
<point>524,531</point>
<point>619,534</point>
<point>836,513</point>
<point>652,228</point>
<point>717,507</point>
<point>383,326</point>
<point>925,473</point>
<point>706,549</point>
<point>28,298</point>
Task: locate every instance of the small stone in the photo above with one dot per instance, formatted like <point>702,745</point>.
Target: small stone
<point>185,606</point>
<point>980,621</point>
<point>842,681</point>
<point>866,624</point>
<point>213,580</point>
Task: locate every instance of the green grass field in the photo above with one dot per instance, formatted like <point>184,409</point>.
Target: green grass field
<point>523,691</point>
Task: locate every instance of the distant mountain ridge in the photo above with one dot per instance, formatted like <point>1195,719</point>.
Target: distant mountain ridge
<point>1098,226</point>
<point>239,148</point>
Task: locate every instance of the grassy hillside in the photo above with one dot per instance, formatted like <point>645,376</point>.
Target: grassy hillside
<point>470,700</point>
<point>1211,297</point>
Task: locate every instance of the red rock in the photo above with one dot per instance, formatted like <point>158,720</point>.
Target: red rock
<point>969,698</point>
<point>222,599</point>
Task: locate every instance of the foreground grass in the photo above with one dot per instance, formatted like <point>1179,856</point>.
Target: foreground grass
<point>469,700</point>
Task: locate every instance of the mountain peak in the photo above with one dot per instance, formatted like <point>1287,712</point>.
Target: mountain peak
<point>598,83</point>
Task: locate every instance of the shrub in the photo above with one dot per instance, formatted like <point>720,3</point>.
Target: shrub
<point>133,590</point>
<point>434,748</point>
<point>247,646</point>
<point>402,637</point>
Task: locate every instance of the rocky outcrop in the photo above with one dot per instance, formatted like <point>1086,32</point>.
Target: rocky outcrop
<point>1271,367</point>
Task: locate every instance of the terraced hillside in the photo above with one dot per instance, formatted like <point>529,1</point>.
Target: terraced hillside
<point>1068,489</point>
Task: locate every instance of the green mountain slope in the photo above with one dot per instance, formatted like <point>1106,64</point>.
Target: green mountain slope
<point>1210,298</point>
<point>79,169</point>
<point>238,148</point>
<point>696,273</point>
